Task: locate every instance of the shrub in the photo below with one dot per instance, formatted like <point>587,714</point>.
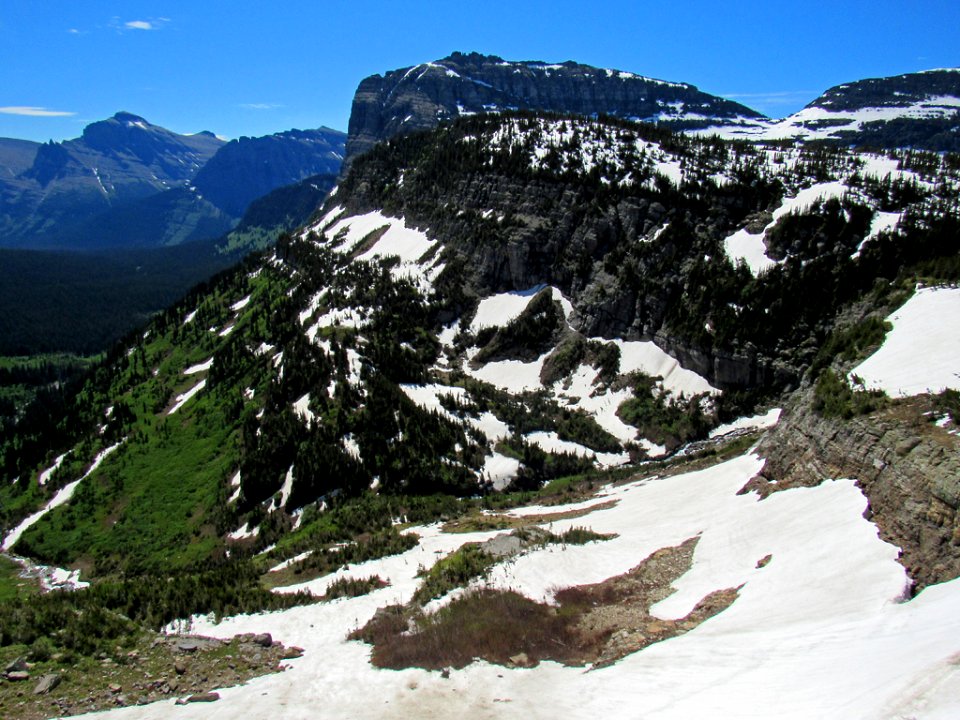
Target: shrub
<point>834,398</point>
<point>455,570</point>
<point>353,587</point>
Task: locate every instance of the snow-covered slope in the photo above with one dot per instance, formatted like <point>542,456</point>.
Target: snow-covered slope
<point>818,630</point>
<point>914,110</point>
<point>920,354</point>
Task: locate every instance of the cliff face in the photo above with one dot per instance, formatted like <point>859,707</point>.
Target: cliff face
<point>906,465</point>
<point>420,97</point>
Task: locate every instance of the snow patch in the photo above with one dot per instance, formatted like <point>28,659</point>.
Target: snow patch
<point>922,352</point>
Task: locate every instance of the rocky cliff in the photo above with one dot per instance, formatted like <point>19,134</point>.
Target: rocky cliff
<point>418,98</point>
<point>905,463</point>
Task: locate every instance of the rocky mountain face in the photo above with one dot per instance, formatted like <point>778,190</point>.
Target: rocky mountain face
<point>418,98</point>
<point>249,168</point>
<point>905,464</point>
<point>919,110</point>
<point>508,299</point>
<point>128,183</point>
<point>118,160</point>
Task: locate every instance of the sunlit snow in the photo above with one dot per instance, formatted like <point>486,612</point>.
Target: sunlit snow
<point>920,354</point>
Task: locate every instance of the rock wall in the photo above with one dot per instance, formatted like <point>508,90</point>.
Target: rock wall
<point>418,98</point>
<point>908,468</point>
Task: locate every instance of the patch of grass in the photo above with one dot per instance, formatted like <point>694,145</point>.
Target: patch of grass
<point>453,571</point>
<point>577,536</point>
<point>489,624</point>
<point>12,585</point>
<point>948,402</point>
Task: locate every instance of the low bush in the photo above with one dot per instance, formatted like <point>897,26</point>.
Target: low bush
<point>834,398</point>
<point>353,587</point>
<point>455,570</point>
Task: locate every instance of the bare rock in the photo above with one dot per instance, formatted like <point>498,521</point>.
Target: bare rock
<point>19,664</point>
<point>204,697</point>
<point>521,660</point>
<point>47,683</point>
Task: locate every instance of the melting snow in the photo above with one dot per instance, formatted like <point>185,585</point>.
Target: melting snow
<point>244,532</point>
<point>183,398</point>
<point>824,609</point>
<point>48,473</point>
<point>500,470</point>
<point>202,367</point>
<point>63,496</point>
<point>755,422</point>
<point>920,354</point>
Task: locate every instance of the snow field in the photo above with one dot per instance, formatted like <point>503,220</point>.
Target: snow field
<point>48,473</point>
<point>818,632</point>
<point>762,421</point>
<point>551,442</point>
<point>500,309</point>
<point>920,354</point>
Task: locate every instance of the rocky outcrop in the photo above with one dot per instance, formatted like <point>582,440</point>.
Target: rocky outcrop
<point>418,98</point>
<point>906,465</point>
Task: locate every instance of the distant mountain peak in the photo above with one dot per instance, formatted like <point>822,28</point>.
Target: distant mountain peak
<point>131,120</point>
<point>419,97</point>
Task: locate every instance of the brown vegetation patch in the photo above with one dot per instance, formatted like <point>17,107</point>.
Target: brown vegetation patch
<point>596,624</point>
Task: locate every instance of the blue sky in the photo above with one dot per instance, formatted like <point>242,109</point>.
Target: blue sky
<point>244,68</point>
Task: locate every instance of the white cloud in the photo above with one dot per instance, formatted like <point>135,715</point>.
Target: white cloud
<point>34,111</point>
<point>260,106</point>
<point>154,23</point>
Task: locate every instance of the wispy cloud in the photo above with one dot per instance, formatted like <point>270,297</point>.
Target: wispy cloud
<point>260,106</point>
<point>782,97</point>
<point>34,111</point>
<point>145,24</point>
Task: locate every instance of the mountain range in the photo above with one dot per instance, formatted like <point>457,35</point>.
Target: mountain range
<point>128,183</point>
<point>533,390</point>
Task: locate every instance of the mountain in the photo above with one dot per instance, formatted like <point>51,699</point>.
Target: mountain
<point>537,294</point>
<point>127,183</point>
<point>920,110</point>
<point>249,168</point>
<point>279,211</point>
<point>498,403</point>
<point>120,159</point>
<point>417,98</point>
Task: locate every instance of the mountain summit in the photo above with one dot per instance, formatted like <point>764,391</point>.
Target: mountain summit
<point>419,97</point>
